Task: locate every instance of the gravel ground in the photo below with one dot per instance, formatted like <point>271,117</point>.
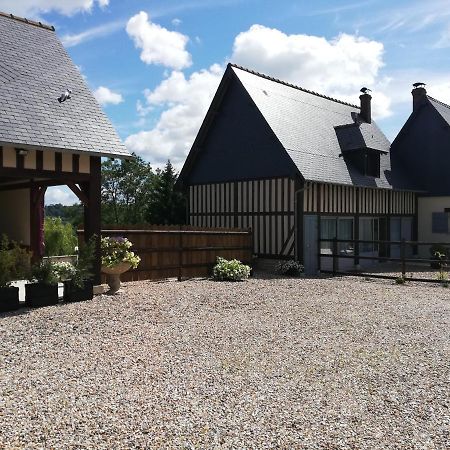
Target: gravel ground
<point>269,363</point>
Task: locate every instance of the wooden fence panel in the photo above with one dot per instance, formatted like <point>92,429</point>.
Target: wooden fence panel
<point>169,251</point>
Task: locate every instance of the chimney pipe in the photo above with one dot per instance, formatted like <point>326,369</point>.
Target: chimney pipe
<point>419,94</point>
<point>366,107</point>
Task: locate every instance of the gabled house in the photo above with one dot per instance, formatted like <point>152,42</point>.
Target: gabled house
<point>295,166</point>
<point>422,148</point>
<point>52,131</point>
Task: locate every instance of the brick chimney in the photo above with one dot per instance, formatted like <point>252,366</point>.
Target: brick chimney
<point>366,107</point>
<point>419,94</point>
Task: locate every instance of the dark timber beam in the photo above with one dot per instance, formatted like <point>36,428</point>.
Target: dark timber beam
<point>50,174</point>
<point>79,193</point>
<point>92,211</point>
<point>29,185</point>
<point>37,194</point>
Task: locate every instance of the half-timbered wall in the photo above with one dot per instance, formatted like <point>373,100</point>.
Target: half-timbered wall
<point>48,160</point>
<point>266,206</point>
<point>330,198</point>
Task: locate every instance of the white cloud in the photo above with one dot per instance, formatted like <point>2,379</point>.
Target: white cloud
<point>60,194</point>
<point>32,8</point>
<point>187,100</point>
<point>158,45</point>
<point>105,96</point>
<point>176,22</point>
<point>338,67</point>
<point>71,40</point>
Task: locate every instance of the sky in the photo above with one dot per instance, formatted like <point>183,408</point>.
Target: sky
<point>154,65</point>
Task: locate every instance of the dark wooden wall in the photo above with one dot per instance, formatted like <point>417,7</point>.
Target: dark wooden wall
<point>266,206</point>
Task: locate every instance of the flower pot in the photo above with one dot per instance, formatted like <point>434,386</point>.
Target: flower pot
<point>74,293</point>
<point>9,299</point>
<point>113,276</point>
<point>39,294</point>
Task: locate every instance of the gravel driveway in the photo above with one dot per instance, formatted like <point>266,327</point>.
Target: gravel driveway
<point>268,363</point>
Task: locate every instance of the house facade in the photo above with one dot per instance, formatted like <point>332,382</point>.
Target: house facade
<point>52,132</point>
<point>295,166</point>
<point>422,147</point>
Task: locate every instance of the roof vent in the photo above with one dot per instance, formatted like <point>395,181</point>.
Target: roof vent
<point>65,95</point>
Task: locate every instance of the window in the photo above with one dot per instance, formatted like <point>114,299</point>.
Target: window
<point>373,165</point>
<point>368,231</point>
<point>336,227</point>
<point>439,222</point>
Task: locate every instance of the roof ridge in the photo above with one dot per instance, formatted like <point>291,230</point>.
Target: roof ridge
<point>27,21</point>
<point>438,101</point>
<point>285,83</point>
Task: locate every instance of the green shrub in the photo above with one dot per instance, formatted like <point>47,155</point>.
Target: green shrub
<point>45,272</point>
<point>232,270</point>
<point>60,238</point>
<point>14,262</point>
<point>289,268</point>
<point>400,280</point>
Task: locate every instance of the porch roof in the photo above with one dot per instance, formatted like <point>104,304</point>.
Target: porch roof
<point>35,70</point>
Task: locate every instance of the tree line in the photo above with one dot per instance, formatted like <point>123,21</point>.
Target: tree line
<point>132,193</point>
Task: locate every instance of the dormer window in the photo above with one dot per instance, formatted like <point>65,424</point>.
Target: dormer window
<point>372,166</point>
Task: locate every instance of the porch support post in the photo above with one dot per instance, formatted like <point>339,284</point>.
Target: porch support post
<point>298,217</point>
<point>92,211</point>
<point>37,194</point>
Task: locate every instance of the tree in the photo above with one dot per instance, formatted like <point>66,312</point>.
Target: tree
<point>166,205</point>
<point>60,238</point>
<point>126,187</point>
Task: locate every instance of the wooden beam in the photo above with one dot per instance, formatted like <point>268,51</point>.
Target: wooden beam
<point>51,174</point>
<point>92,211</point>
<point>30,184</point>
<point>37,194</point>
<point>79,193</point>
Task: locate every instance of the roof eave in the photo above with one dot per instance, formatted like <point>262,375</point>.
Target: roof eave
<point>67,150</point>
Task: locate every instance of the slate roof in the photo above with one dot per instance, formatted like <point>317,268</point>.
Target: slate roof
<point>442,108</point>
<point>35,70</point>
<point>307,124</point>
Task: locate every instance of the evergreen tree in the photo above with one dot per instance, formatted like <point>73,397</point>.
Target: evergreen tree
<point>126,188</point>
<point>166,206</point>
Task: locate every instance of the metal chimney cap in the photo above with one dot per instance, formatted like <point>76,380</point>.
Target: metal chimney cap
<point>365,90</point>
<point>419,84</point>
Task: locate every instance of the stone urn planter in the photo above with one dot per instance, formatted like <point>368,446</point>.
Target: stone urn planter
<point>113,276</point>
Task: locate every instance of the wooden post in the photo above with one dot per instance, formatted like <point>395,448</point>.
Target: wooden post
<point>92,212</point>
<point>37,245</point>
<point>180,254</point>
<point>402,256</point>
<point>335,256</point>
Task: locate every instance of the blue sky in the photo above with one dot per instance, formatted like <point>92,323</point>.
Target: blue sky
<point>154,65</point>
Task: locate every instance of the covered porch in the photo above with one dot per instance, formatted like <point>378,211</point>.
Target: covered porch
<point>25,175</point>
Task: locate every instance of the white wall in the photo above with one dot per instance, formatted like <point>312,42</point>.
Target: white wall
<point>427,206</point>
<point>15,215</point>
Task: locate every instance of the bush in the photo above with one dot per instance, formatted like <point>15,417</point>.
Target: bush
<point>116,250</point>
<point>232,270</point>
<point>14,262</point>
<point>289,268</point>
<point>60,238</point>
<point>45,272</point>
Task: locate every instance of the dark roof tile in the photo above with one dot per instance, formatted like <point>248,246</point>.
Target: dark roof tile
<point>34,70</point>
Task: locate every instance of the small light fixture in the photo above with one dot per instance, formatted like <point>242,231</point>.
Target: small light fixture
<point>22,152</point>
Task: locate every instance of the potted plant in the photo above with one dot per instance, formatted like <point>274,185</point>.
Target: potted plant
<point>78,284</point>
<point>117,258</point>
<point>43,291</point>
<point>9,296</point>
